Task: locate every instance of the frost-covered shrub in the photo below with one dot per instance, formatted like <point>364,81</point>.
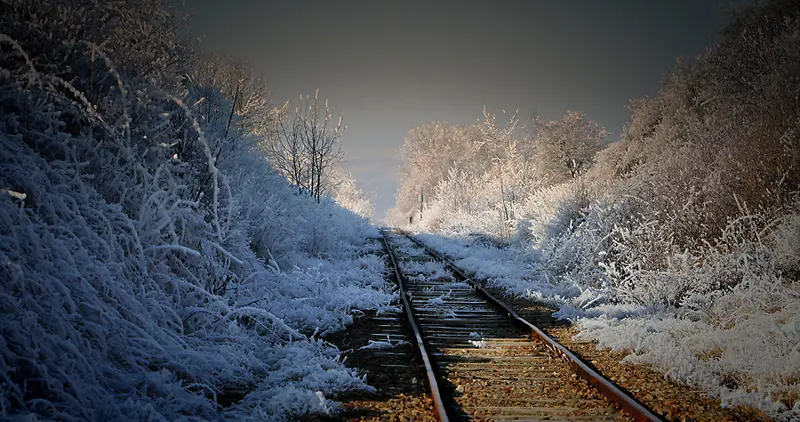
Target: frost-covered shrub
<point>735,330</point>
<point>722,129</point>
<point>153,262</point>
<point>785,241</point>
<point>350,196</point>
<point>682,242</point>
<point>565,148</point>
<point>551,211</point>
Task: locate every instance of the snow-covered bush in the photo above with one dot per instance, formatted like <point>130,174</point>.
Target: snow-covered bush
<point>735,332</point>
<point>153,263</point>
<point>682,241</point>
<point>347,194</point>
<point>551,211</point>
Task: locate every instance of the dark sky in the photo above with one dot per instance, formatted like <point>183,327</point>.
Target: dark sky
<point>391,66</point>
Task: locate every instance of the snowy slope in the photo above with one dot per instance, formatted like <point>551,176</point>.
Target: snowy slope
<point>145,274</point>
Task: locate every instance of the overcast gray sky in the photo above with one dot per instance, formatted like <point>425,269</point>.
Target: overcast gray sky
<point>391,66</point>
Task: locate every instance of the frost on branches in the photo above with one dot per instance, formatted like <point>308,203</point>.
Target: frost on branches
<point>680,242</point>
<point>154,266</point>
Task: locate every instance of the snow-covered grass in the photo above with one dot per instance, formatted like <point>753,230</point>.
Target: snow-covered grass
<point>722,315</point>
<point>511,268</point>
<point>679,242</point>
<point>725,319</point>
<point>425,270</point>
<point>95,327</point>
<point>151,260</point>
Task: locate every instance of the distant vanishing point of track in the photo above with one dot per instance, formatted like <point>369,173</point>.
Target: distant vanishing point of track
<point>483,361</point>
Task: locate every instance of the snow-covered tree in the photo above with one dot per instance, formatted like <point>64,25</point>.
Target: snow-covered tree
<point>565,148</point>
<point>240,84</point>
<point>428,154</point>
<point>347,194</point>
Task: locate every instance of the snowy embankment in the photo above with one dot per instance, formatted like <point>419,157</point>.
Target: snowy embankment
<point>741,344</point>
<point>100,322</point>
<point>153,265</point>
<point>679,241</point>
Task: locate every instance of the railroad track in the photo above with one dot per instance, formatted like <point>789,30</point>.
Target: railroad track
<point>483,361</point>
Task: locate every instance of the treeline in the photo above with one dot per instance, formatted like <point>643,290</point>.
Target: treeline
<point>486,170</point>
<point>706,169</point>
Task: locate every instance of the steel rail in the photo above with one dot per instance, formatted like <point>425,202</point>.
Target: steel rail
<point>632,406</point>
<point>433,384</point>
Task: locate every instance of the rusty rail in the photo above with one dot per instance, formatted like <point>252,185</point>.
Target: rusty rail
<point>433,384</point>
<point>632,406</point>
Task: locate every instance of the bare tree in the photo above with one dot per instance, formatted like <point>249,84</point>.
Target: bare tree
<point>306,146</point>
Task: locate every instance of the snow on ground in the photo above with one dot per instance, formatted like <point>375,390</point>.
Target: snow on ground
<point>511,269</point>
<point>679,241</point>
<point>153,265</point>
<point>742,345</point>
<point>96,327</point>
